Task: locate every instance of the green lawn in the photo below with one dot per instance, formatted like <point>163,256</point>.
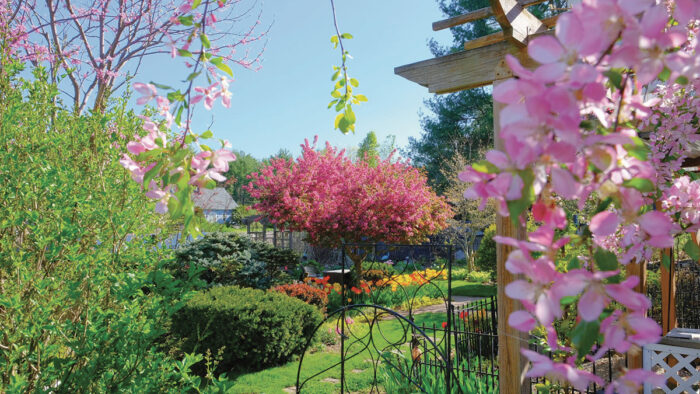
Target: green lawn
<point>464,288</point>
<point>359,370</point>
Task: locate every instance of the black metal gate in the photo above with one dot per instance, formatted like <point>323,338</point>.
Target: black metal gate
<point>415,356</point>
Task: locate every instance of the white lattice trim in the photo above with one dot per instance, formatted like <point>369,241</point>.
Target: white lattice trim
<point>655,355</point>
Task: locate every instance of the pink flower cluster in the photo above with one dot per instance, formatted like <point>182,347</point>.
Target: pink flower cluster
<point>335,200</point>
<point>683,199</point>
<point>202,169</point>
<point>570,132</point>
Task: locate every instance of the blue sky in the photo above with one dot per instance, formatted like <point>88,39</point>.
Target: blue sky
<point>285,102</point>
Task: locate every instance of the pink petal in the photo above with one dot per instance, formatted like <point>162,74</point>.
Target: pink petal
<point>545,49</point>
<point>520,290</point>
<point>522,321</point>
<point>591,305</point>
<point>564,183</point>
<point>569,30</point>
<point>654,21</point>
<point>604,223</point>
<point>656,223</point>
<point>507,92</point>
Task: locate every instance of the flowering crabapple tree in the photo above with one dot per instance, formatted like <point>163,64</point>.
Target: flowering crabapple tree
<point>613,69</point>
<point>91,47</point>
<point>336,201</point>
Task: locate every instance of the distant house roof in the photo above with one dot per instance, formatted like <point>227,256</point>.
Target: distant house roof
<point>217,198</point>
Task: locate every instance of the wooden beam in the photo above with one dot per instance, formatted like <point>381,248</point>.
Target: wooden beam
<point>511,362</point>
<point>517,22</point>
<point>462,70</point>
<point>475,15</point>
<point>462,19</point>
<point>484,41</point>
<point>499,36</point>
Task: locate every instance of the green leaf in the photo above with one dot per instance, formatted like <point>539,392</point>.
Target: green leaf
<point>615,78</point>
<point>587,125</point>
<point>184,53</point>
<point>639,152</point>
<point>160,86</point>
<point>665,74</point>
<point>216,60</point>
<point>642,184</point>
<point>692,249</point>
<point>584,336</point>
<point>178,116</point>
<point>207,134</point>
<point>225,68</point>
<point>350,115</point>
<point>332,103</point>
<point>603,205</point>
<point>573,264</point>
<point>196,3</point>
<point>486,167</point>
<point>354,82</point>
<point>335,75</point>
<point>193,76</point>
<point>682,80</point>
<point>337,120</point>
<point>605,260</point>
<point>151,173</point>
<point>344,125</point>
<point>205,40</point>
<point>180,155</point>
<point>335,94</point>
<point>666,260</point>
<point>339,107</point>
<point>568,300</point>
<point>517,207</point>
<point>346,36</point>
<point>175,208</point>
<point>361,97</point>
<point>186,20</point>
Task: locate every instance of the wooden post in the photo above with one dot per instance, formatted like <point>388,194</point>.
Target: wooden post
<point>634,268</point>
<point>511,363</point>
<point>668,294</point>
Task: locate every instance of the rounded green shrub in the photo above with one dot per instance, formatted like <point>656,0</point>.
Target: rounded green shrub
<point>256,329</point>
<point>485,259</point>
<point>227,258</point>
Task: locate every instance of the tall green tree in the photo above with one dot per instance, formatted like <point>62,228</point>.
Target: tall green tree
<point>459,123</point>
<point>237,176</point>
<point>369,149</point>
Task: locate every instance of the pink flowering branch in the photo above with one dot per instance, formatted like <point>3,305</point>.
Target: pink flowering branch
<point>571,130</point>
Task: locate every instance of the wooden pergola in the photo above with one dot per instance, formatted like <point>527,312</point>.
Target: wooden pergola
<point>482,63</point>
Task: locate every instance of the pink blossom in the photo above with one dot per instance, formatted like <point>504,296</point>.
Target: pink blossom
<point>564,373</point>
<point>633,381</point>
<point>148,92</point>
<point>604,223</point>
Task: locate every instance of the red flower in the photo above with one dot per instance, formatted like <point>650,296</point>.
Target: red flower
<point>356,290</point>
<point>444,324</point>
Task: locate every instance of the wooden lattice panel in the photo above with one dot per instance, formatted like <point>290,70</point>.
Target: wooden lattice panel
<point>679,365</point>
